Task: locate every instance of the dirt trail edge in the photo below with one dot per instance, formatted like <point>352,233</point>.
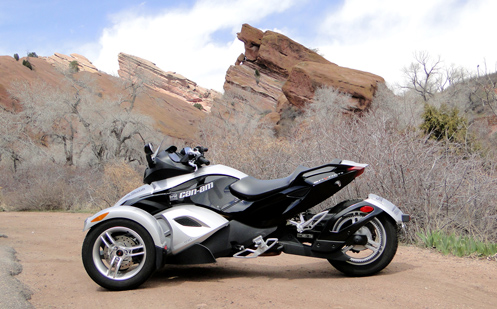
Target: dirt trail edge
<point>48,246</point>
<point>13,294</point>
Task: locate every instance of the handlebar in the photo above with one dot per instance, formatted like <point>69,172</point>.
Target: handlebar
<point>194,157</point>
<point>188,156</point>
<point>204,161</point>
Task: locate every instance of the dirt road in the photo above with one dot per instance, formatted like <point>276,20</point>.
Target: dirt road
<point>48,248</point>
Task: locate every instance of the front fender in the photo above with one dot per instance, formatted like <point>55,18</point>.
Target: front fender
<point>142,217</point>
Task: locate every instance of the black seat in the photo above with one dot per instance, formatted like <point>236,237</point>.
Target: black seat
<point>251,189</point>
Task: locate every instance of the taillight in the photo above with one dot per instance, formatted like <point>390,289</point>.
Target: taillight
<point>358,169</point>
<point>366,209</point>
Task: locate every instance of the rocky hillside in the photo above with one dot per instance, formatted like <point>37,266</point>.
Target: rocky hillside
<point>284,74</point>
<point>169,98</point>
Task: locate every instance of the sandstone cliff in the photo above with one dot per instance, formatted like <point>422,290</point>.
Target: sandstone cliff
<point>169,83</point>
<point>62,61</point>
<point>284,74</point>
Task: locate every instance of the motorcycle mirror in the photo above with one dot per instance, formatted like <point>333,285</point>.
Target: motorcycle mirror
<point>149,149</point>
<point>157,150</point>
<point>201,149</point>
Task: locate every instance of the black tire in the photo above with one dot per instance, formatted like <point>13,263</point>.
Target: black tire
<point>382,237</point>
<point>125,247</point>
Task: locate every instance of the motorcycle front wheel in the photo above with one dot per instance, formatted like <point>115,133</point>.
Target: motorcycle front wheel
<point>376,254</point>
<point>119,254</point>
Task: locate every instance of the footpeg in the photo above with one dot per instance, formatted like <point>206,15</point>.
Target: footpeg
<point>261,245</point>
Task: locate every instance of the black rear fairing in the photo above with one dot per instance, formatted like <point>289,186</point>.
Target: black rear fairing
<point>282,199</point>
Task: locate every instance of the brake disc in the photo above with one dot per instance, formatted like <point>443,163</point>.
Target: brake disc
<point>122,241</point>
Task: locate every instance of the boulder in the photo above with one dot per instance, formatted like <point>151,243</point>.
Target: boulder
<point>284,74</point>
<point>280,54</point>
<point>306,77</point>
<point>251,38</point>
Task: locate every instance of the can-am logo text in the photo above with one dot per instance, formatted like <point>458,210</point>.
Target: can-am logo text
<point>192,192</point>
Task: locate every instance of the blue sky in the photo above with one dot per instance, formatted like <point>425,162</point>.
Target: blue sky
<point>197,38</point>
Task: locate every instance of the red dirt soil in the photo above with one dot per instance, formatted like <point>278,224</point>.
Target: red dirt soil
<point>48,246</point>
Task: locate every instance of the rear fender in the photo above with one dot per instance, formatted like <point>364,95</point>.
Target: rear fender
<point>388,207</point>
<point>330,240</point>
<point>142,217</point>
<point>379,205</point>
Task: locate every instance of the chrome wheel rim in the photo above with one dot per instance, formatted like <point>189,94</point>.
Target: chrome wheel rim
<point>375,234</point>
<point>119,253</point>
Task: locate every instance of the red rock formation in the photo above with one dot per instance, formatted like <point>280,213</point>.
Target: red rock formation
<point>283,73</point>
<point>252,38</point>
<point>306,77</point>
<point>170,83</point>
<point>266,87</point>
<point>280,54</point>
<point>62,61</point>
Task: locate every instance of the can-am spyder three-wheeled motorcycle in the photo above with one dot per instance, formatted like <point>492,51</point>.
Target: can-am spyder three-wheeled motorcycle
<point>191,213</point>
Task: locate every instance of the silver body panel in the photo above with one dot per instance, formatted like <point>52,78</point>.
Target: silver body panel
<point>169,233</point>
<point>185,236</point>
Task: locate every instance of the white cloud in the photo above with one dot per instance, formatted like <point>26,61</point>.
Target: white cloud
<point>184,40</point>
<point>380,36</point>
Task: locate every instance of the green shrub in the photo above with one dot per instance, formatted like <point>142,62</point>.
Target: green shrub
<point>74,66</point>
<point>16,57</point>
<point>198,105</point>
<point>27,64</point>
<point>257,76</point>
<point>444,123</point>
<point>32,54</point>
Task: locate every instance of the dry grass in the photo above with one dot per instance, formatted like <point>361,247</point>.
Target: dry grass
<point>52,187</point>
<point>118,179</point>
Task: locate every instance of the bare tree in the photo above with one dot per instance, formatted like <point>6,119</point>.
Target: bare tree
<point>75,117</point>
<point>428,76</point>
<point>11,128</point>
<point>127,124</point>
<point>483,90</point>
<point>52,114</point>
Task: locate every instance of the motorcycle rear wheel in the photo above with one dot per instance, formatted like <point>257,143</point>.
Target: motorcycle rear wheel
<point>369,259</point>
<point>119,254</point>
